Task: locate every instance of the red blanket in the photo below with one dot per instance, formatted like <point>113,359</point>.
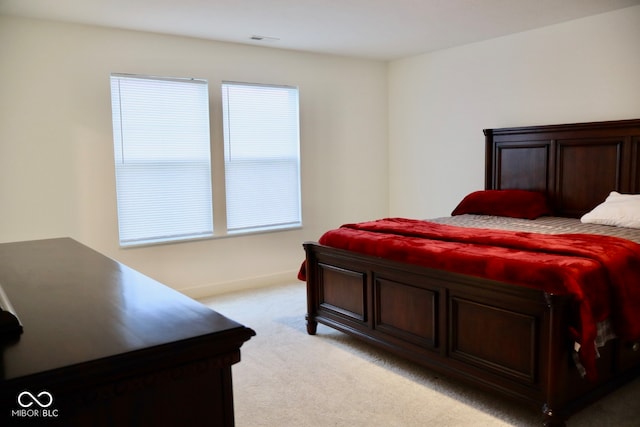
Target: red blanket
<point>600,272</point>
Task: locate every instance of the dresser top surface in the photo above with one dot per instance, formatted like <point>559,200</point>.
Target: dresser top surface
<point>76,306</point>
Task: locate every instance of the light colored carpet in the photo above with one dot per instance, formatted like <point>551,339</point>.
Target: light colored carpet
<point>288,378</point>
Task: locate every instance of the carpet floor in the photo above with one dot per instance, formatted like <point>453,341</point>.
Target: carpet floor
<point>289,378</point>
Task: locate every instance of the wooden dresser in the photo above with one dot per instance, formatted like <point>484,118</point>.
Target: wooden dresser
<point>104,345</point>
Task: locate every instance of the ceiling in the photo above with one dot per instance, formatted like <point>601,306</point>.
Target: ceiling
<point>375,29</point>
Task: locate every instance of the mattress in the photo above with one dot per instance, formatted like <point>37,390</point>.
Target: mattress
<point>544,224</point>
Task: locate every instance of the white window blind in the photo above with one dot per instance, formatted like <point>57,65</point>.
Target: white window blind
<point>262,156</point>
<point>162,158</point>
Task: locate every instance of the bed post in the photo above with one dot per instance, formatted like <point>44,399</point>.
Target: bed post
<point>489,170</point>
<point>312,289</point>
<point>553,413</point>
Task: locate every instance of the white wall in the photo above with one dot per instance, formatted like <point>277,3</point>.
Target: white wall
<point>56,147</point>
<point>580,71</point>
<point>56,156</point>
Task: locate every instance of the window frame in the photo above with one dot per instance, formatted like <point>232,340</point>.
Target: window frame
<point>130,120</point>
<point>295,118</point>
<point>217,167</point>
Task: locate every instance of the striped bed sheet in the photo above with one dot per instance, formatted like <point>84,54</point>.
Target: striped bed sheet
<point>544,224</point>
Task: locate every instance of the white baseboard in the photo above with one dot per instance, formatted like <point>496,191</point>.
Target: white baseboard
<point>204,291</point>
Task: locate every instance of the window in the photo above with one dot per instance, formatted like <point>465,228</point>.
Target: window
<point>162,158</point>
<point>262,157</point>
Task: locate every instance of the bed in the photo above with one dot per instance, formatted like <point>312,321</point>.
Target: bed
<point>527,341</point>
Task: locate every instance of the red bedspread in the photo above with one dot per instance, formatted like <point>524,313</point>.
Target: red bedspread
<point>600,272</point>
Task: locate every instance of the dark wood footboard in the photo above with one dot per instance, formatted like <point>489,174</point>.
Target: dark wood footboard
<point>500,337</point>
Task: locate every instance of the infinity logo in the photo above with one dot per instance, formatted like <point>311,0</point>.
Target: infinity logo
<point>26,399</point>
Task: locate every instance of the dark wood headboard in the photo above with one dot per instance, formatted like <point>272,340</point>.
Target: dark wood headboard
<point>576,165</point>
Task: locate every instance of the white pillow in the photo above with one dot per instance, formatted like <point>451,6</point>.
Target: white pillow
<point>620,210</point>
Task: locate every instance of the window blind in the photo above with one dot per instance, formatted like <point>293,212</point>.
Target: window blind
<point>162,158</point>
<point>262,156</point>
